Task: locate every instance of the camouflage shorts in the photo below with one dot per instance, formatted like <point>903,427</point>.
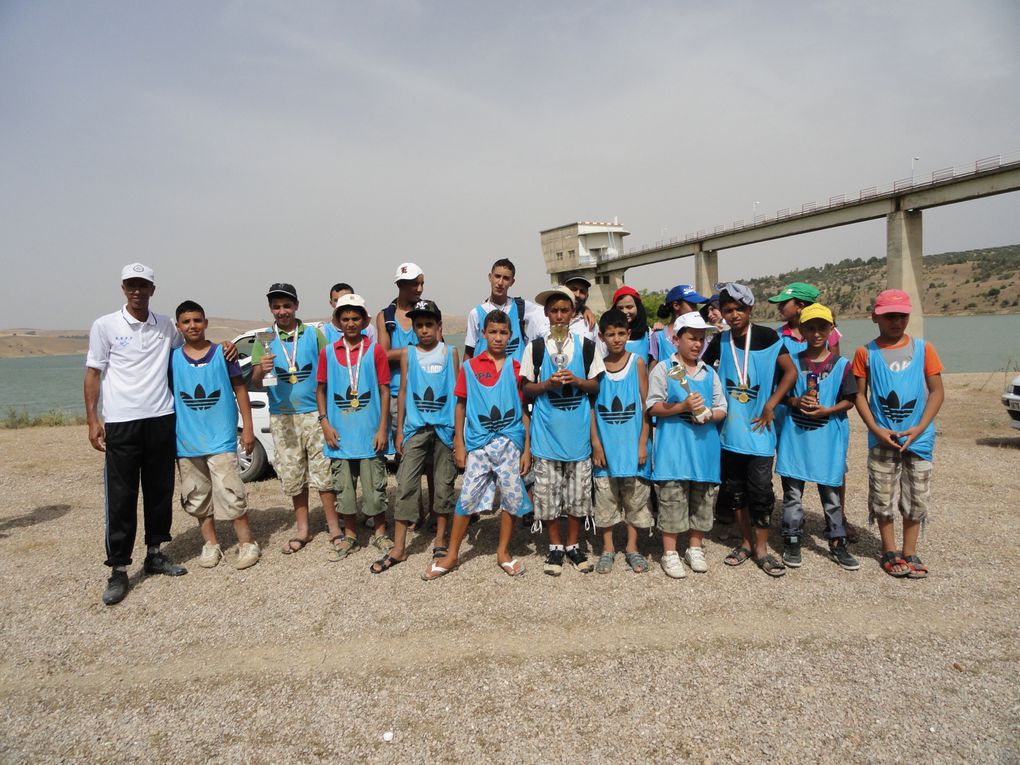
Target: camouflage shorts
<point>897,481</point>
<point>299,460</point>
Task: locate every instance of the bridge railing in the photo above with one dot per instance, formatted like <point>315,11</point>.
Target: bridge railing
<point>936,177</point>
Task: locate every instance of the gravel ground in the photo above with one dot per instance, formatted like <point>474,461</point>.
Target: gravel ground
<point>303,660</point>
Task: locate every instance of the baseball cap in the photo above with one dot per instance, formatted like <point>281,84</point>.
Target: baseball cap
<point>690,320</point>
<point>816,311</point>
<point>575,278</point>
<point>282,288</point>
<point>892,301</point>
<point>544,295</point>
<point>137,271</point>
<point>686,293</point>
<point>350,301</point>
<point>797,291</point>
<point>425,308</point>
<point>625,290</point>
<point>407,272</point>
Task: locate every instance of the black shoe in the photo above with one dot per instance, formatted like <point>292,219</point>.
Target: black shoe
<point>159,563</point>
<point>116,588</point>
<point>791,551</point>
<point>580,560</point>
<point>553,563</point>
<point>842,556</point>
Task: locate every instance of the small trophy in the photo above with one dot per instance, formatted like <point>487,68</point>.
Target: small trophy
<point>559,335</point>
<point>679,373</point>
<point>269,379</point>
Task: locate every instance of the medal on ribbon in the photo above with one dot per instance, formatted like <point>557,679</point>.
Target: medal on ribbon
<point>742,379</point>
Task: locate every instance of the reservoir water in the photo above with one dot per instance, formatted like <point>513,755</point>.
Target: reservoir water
<point>38,384</point>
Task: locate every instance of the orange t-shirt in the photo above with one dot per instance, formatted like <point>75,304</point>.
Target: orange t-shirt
<point>932,362</point>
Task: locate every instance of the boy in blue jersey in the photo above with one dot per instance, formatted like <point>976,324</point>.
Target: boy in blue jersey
<point>352,398</point>
<point>490,444</point>
<point>425,425</point>
<point>815,437</point>
<point>330,328</point>
<point>899,392</point>
<point>686,397</point>
<point>750,358</point>
<point>211,484</point>
<point>526,319</point>
<point>561,378</point>
<point>293,356</point>
<point>619,444</point>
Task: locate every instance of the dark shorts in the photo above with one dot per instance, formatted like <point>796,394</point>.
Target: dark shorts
<point>747,484</point>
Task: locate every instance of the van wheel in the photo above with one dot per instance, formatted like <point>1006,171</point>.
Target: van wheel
<point>253,465</point>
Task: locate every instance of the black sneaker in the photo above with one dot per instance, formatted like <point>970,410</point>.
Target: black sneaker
<point>791,551</point>
<point>554,563</point>
<point>116,588</point>
<point>580,560</point>
<point>159,563</point>
<point>839,553</point>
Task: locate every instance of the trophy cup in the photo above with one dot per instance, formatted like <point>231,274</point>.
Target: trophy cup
<point>679,374</point>
<point>264,337</point>
<point>559,335</point>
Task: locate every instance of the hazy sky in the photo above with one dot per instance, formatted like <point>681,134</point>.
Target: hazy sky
<point>233,144</point>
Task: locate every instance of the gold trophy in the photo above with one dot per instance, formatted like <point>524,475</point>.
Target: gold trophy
<point>559,335</point>
<point>679,373</point>
<point>269,379</point>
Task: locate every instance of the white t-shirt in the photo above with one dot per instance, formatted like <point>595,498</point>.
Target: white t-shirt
<point>133,357</point>
<point>535,323</point>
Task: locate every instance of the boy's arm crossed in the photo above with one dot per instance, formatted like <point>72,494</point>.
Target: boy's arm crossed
<point>885,436</point>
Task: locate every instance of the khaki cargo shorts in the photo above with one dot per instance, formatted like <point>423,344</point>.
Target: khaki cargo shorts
<point>212,485</point>
<point>299,459</point>
<point>686,505</point>
<point>623,499</point>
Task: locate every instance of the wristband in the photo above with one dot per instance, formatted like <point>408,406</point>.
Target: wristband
<point>321,417</point>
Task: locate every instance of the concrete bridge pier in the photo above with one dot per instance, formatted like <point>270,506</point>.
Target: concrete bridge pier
<point>706,271</point>
<point>904,269</point>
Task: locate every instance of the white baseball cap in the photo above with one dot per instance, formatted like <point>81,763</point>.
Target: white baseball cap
<point>690,320</point>
<point>137,271</point>
<point>350,301</point>
<point>407,272</point>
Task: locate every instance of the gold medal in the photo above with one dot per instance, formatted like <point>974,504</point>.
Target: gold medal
<point>743,398</point>
<point>293,379</point>
<point>355,403</point>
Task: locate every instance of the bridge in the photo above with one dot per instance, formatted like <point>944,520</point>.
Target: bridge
<point>595,249</point>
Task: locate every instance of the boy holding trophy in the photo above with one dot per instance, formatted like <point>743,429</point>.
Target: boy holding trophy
<point>560,375</point>
<point>686,397</point>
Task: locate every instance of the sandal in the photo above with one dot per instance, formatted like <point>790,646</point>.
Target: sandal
<point>638,563</point>
<point>382,543</point>
<point>289,549</point>
<point>512,567</point>
<point>771,565</point>
<point>890,560</point>
<point>737,556</point>
<point>435,572</point>
<point>605,563</point>
<point>384,564</point>
<point>438,553</point>
<point>343,548</point>
<point>917,569</point>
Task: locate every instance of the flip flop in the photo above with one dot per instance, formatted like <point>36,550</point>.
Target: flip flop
<point>288,550</point>
<point>384,564</point>
<point>435,572</point>
<point>512,567</point>
<point>737,556</point>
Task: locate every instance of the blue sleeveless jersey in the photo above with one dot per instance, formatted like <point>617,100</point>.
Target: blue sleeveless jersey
<point>737,435</point>
<point>356,426</point>
<point>515,347</point>
<point>639,346</point>
<point>429,399</point>
<point>205,406</point>
<point>399,338</point>
<point>898,399</point>
<point>295,398</point>
<point>684,451</point>
<point>618,417</point>
<point>561,420</point>
<point>493,410</point>
<point>782,412</point>
<point>814,448</point>
<point>664,346</point>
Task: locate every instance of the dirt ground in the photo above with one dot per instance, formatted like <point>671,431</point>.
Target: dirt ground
<point>303,660</point>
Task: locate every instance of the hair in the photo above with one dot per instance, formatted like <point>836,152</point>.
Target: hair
<point>558,296</point>
<point>504,263</point>
<point>340,287</point>
<point>613,318</point>
<point>639,324</point>
<point>495,317</point>
<point>725,297</point>
<point>704,310</point>
<point>189,306</point>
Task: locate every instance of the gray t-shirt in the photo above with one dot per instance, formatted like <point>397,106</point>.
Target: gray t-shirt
<point>657,390</point>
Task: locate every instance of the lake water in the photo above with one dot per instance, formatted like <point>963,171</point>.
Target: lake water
<point>965,343</point>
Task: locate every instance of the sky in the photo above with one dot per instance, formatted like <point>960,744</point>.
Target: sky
<point>230,145</point>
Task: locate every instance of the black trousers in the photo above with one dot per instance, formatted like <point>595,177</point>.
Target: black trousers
<point>747,483</point>
<point>142,450</point>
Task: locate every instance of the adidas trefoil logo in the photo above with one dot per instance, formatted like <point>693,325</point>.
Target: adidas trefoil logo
<point>343,403</point>
<point>734,390</point>
<point>200,400</point>
<point>427,402</point>
<point>568,399</point>
<point>496,421</point>
<point>616,413</point>
<point>302,374</point>
<point>512,346</point>
<point>804,422</point>
<point>894,410</point>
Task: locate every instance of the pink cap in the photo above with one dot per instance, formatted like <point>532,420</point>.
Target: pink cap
<point>892,301</point>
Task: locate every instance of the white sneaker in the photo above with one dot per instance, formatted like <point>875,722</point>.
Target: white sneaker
<point>695,557</point>
<point>248,555</point>
<point>211,555</point>
<point>672,565</point>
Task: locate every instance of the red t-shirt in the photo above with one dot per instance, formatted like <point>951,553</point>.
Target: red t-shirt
<point>484,370</point>
<point>382,366</point>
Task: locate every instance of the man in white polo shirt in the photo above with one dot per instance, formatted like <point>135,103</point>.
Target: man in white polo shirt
<point>129,352</point>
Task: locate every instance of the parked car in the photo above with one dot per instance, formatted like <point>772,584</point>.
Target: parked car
<point>1011,400</point>
<point>257,464</point>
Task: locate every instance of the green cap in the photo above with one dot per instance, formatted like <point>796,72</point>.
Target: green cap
<point>797,291</point>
